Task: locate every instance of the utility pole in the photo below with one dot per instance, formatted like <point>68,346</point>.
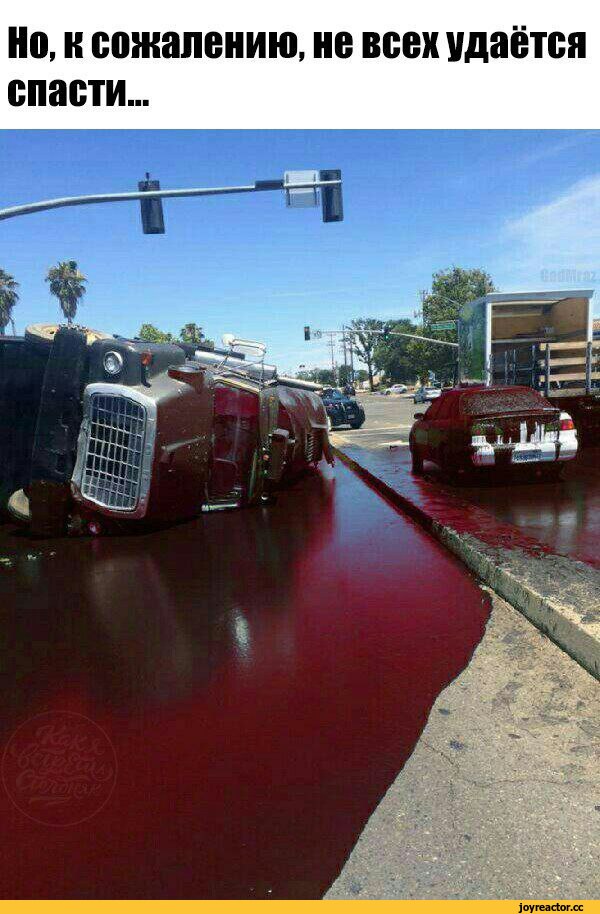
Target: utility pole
<point>332,345</point>
<point>345,355</point>
<point>423,295</point>
<point>350,346</point>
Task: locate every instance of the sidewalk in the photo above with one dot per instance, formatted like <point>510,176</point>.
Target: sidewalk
<point>499,799</point>
<point>559,594</point>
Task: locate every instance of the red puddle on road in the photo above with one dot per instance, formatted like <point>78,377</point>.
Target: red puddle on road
<point>262,677</point>
<point>561,517</point>
<point>564,516</point>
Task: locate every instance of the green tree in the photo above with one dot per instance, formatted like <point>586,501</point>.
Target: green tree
<point>393,354</point>
<point>152,334</point>
<point>365,341</point>
<point>324,376</point>
<point>344,375</point>
<point>450,289</point>
<point>68,285</point>
<point>191,333</point>
<point>8,299</point>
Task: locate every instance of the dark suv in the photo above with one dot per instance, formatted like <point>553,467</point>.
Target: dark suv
<point>342,409</point>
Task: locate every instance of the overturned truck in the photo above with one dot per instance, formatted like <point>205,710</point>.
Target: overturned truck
<point>101,434</point>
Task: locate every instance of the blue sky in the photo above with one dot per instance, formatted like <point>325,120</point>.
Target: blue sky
<point>516,203</point>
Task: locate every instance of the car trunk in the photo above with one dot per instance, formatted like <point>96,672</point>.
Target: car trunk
<point>517,428</point>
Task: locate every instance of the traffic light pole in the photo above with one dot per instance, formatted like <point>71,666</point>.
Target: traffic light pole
<point>351,348</point>
<point>412,336</point>
<point>258,186</point>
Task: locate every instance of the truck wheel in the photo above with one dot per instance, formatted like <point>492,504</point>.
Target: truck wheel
<point>357,424</point>
<point>417,462</point>
<point>41,336</point>
<point>18,506</point>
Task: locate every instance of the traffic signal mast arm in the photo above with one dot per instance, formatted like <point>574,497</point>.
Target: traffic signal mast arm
<point>277,184</point>
<point>412,336</point>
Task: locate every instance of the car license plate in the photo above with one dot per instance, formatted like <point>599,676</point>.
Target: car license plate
<point>526,456</point>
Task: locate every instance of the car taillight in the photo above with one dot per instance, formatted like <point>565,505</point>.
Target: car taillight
<point>567,425</point>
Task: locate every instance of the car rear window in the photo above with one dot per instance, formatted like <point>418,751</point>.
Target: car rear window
<point>447,407</point>
<point>485,402</point>
<point>433,409</point>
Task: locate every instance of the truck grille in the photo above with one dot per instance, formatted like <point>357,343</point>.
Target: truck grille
<point>310,448</point>
<point>115,444</point>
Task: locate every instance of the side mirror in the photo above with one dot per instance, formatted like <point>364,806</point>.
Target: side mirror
<point>419,415</point>
<point>231,341</point>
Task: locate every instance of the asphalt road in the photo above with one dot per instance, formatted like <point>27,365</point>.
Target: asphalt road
<point>565,515</point>
<point>388,421</point>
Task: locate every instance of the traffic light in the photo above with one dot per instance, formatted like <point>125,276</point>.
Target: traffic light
<point>153,222</point>
<point>307,333</point>
<point>331,197</point>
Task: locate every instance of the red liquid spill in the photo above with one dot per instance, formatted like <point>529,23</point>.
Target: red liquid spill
<point>262,676</point>
<point>561,517</point>
<point>564,516</point>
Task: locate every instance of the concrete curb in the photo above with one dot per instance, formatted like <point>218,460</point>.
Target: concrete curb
<point>560,596</point>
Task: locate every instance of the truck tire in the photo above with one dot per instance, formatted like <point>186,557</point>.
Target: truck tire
<point>41,336</point>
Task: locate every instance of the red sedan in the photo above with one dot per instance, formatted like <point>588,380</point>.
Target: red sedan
<point>492,427</point>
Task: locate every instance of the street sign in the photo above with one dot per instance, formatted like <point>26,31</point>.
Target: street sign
<point>443,325</point>
<point>302,196</point>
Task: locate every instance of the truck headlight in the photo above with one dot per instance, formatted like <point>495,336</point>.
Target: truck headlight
<point>113,363</point>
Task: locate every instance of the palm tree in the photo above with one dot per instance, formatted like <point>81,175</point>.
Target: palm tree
<point>8,299</point>
<point>67,283</point>
<point>191,333</point>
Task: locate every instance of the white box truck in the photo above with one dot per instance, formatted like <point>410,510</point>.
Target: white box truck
<point>543,340</point>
